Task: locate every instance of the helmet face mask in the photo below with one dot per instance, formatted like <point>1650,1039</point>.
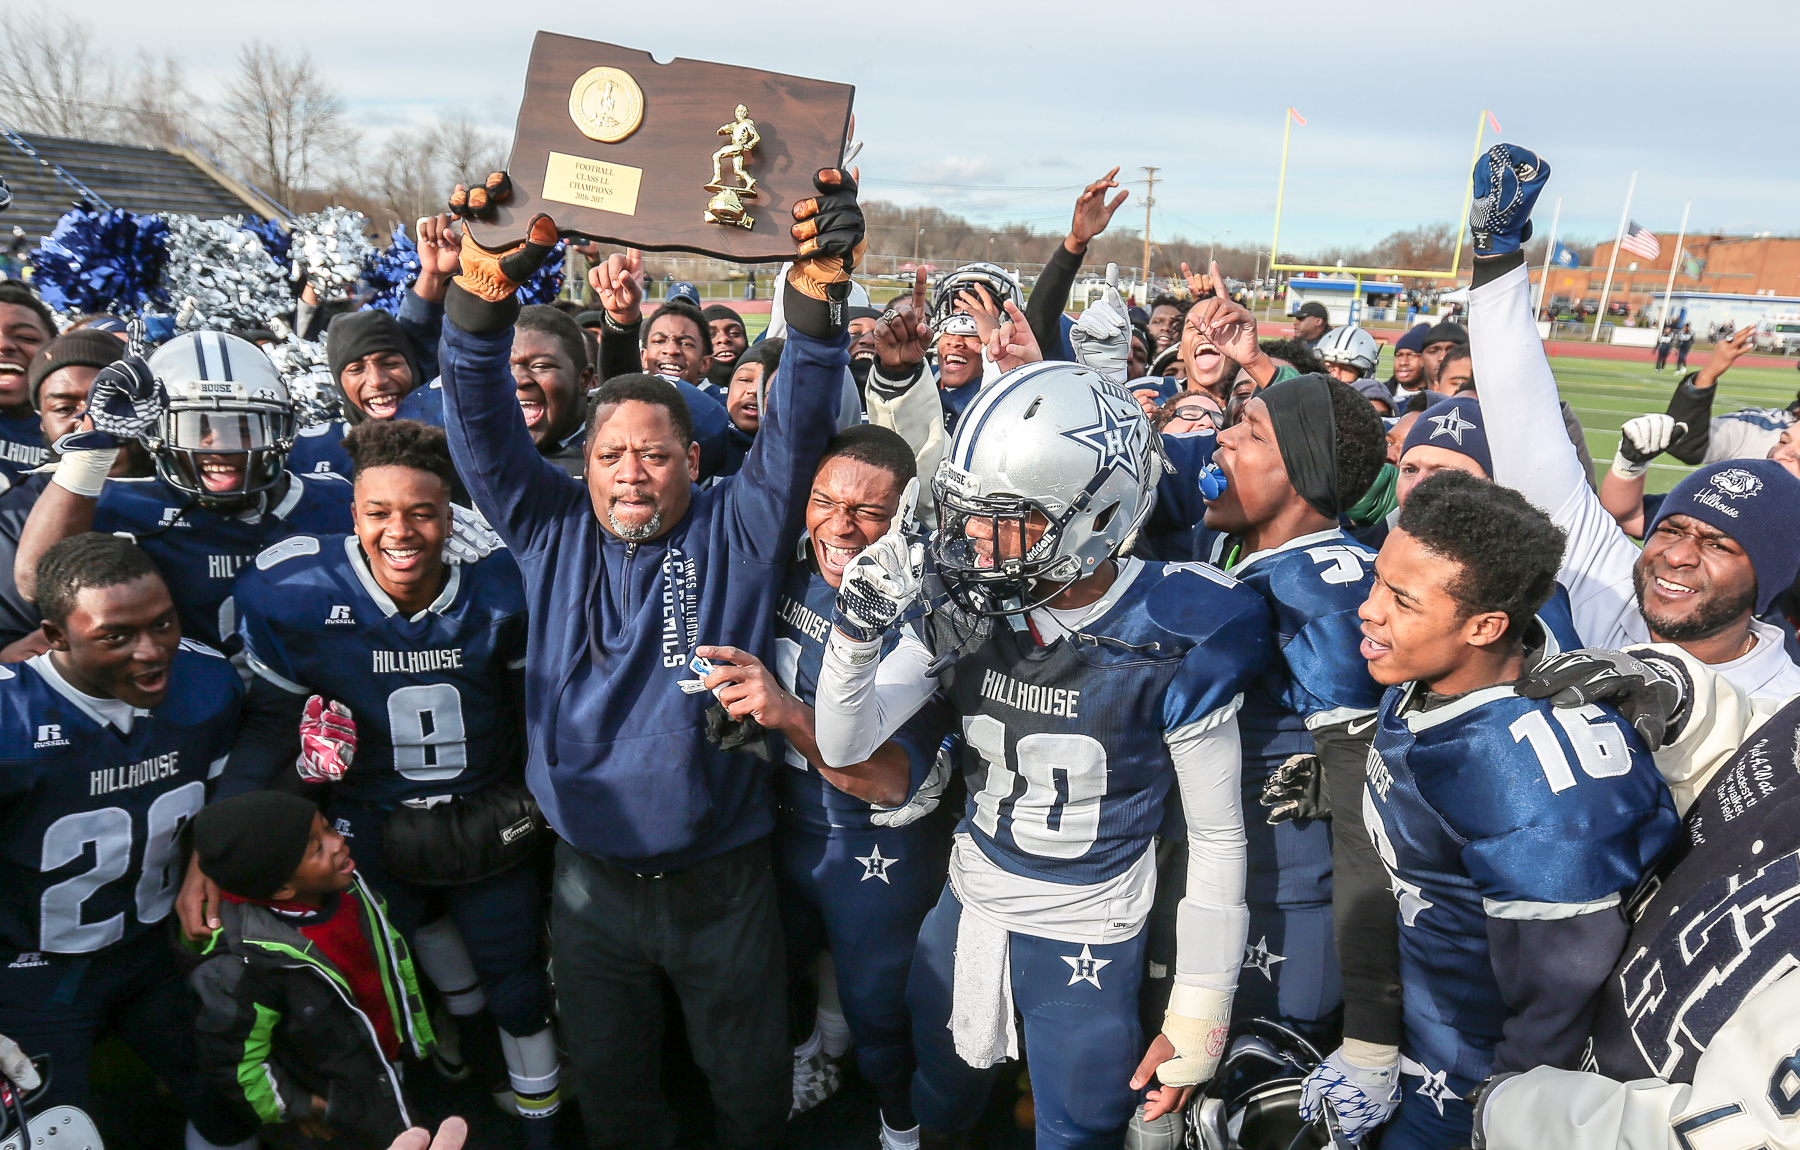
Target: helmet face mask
<point>1350,347</point>
<point>226,402</point>
<point>999,283</point>
<point>1052,471</point>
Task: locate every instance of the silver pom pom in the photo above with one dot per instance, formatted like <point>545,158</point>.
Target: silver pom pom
<point>307,373</point>
<point>329,250</point>
<point>221,275</point>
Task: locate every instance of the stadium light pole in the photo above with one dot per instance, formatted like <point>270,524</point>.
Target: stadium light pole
<point>1614,262</point>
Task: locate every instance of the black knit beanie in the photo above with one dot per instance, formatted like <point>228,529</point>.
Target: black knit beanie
<point>250,845</point>
<point>80,348</point>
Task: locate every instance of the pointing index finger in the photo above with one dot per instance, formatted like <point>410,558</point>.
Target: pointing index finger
<point>918,296</point>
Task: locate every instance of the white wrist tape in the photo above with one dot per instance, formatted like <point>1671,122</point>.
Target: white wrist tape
<point>84,472</point>
<point>1197,1023</point>
<point>1625,468</point>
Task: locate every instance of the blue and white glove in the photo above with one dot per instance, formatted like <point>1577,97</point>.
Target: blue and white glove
<point>123,401</point>
<point>1507,183</point>
<point>471,539</point>
<point>884,579</point>
<point>1101,338</point>
<point>1363,1097</point>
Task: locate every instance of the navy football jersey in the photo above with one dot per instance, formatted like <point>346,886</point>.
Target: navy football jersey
<point>90,819</point>
<point>803,617</point>
<point>1719,921</point>
<point>320,448</point>
<point>1065,746</point>
<point>1496,806</point>
<point>21,444</point>
<point>200,551</point>
<point>430,693</point>
<point>1320,679</point>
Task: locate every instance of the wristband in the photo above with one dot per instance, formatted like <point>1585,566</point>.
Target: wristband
<point>84,472</point>
<point>1627,469</point>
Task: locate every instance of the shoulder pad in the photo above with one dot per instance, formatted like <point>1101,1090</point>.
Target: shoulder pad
<point>314,430</point>
<point>1204,570</point>
<point>199,648</point>
<point>7,673</point>
<point>327,476</point>
<point>292,547</point>
<point>1209,604</point>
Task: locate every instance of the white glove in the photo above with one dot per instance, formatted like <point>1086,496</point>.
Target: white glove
<point>1197,1023</point>
<point>471,538</point>
<point>1362,1096</point>
<point>1101,338</point>
<point>16,1067</point>
<point>1641,440</point>
<point>883,579</point>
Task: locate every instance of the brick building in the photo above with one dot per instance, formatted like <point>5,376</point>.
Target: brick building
<point>1734,265</point>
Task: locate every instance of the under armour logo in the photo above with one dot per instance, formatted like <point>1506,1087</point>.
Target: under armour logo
<point>874,866</point>
<point>1085,967</point>
<point>1453,425</point>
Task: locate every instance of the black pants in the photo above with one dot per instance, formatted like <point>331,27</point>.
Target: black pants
<point>57,1004</point>
<point>715,930</point>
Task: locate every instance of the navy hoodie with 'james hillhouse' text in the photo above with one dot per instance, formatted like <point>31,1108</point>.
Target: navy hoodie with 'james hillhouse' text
<point>619,758</point>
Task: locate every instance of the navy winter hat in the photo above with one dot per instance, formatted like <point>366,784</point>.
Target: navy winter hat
<point>1444,332</point>
<point>1414,339</point>
<point>1455,425</point>
<point>1757,503</point>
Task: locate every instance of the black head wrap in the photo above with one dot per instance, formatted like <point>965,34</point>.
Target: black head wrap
<point>1306,432</point>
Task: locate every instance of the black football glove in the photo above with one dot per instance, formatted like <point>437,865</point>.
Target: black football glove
<point>1651,691</point>
<point>1294,790</point>
<point>480,201</point>
<point>829,229</point>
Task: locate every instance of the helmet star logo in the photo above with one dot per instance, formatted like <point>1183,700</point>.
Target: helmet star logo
<point>1116,436</point>
<point>1260,957</point>
<point>874,866</point>
<point>1452,425</point>
<point>1085,967</point>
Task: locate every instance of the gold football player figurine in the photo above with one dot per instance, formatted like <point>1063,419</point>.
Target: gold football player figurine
<point>727,204</point>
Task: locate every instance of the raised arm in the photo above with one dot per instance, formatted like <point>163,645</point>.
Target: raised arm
<point>767,497</point>
<point>1050,295</point>
<point>520,492</point>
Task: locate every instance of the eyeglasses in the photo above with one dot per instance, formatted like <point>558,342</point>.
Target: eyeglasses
<point>1194,413</point>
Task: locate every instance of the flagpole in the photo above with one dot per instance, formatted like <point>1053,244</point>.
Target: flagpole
<point>1462,224</point>
<point>1287,128</point>
<point>1549,254</point>
<point>1674,260</point>
<point>1614,262</point>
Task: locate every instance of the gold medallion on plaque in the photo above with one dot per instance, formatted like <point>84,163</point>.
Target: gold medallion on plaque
<point>606,104</point>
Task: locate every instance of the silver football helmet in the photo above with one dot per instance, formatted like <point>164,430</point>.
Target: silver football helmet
<point>1052,472</point>
<point>1350,347</point>
<point>225,397</point>
<point>999,282</point>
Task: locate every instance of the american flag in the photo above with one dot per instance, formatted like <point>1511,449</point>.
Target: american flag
<point>1640,241</point>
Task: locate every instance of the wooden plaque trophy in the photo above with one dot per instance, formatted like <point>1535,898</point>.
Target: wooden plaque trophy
<point>683,156</point>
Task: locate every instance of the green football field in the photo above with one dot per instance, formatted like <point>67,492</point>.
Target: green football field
<point>1605,393</point>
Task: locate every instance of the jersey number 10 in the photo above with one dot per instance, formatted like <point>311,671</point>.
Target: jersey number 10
<point>1058,816</point>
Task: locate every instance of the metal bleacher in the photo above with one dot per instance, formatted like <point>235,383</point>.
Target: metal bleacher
<point>122,176</point>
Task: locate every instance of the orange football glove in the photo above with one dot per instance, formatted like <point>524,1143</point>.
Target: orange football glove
<point>491,275</point>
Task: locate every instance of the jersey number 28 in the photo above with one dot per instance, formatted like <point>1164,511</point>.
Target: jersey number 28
<point>109,829</point>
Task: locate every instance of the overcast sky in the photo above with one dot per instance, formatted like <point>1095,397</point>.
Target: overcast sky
<point>1006,109</point>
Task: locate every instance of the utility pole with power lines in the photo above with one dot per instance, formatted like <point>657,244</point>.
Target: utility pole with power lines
<point>1149,181</point>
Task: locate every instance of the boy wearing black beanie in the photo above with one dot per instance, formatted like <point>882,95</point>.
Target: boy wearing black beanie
<point>308,995</point>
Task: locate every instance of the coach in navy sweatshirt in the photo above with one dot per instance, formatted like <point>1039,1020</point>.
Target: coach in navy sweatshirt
<point>663,861</point>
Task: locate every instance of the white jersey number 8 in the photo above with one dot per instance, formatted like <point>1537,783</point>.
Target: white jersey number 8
<point>1058,816</point>
<point>426,723</point>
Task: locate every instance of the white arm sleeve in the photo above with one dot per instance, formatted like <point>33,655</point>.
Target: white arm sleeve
<point>917,414</point>
<point>860,701</point>
<point>1748,1065</point>
<point>1720,718</point>
<point>1212,920</point>
<point>1532,454</point>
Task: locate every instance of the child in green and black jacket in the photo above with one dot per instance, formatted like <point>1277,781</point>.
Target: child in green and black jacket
<point>307,993</point>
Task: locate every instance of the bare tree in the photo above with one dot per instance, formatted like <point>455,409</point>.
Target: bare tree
<point>161,106</point>
<point>283,121</point>
<point>52,78</point>
<point>465,152</point>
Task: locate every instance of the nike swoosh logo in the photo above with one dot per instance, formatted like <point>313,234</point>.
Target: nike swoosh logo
<point>1356,730</point>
